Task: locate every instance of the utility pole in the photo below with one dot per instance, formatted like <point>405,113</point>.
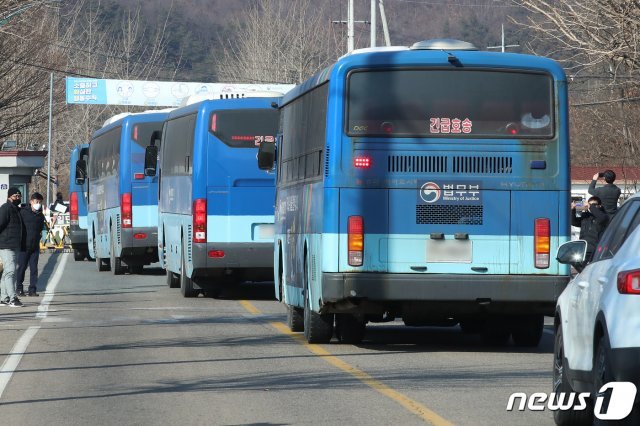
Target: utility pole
<point>385,27</point>
<point>350,26</point>
<point>49,152</point>
<point>373,23</point>
<point>502,45</point>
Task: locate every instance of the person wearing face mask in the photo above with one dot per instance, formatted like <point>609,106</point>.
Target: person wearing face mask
<point>33,220</point>
<point>11,240</point>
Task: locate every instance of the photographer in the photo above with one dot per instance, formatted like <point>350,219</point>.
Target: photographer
<point>609,193</point>
<point>592,223</point>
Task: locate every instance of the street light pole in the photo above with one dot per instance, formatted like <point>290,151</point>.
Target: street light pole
<point>49,149</point>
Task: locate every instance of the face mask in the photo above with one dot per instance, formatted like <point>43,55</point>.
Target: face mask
<point>37,206</point>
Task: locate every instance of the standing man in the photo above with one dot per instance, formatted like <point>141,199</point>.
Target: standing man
<point>11,232</point>
<point>592,223</point>
<point>33,220</point>
<point>609,193</point>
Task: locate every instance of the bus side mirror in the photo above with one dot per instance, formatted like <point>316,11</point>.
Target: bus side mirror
<point>151,154</point>
<point>81,172</point>
<point>572,253</point>
<point>150,160</point>
<point>266,156</point>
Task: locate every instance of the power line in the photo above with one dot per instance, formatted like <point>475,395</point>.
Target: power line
<point>432,3</point>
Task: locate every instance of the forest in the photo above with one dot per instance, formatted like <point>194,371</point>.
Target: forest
<point>285,41</point>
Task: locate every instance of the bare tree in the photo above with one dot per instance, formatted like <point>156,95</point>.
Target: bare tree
<point>598,43</point>
<point>278,41</point>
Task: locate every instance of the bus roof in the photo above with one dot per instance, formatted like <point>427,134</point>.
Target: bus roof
<point>403,56</point>
<point>257,102</point>
<point>139,117</point>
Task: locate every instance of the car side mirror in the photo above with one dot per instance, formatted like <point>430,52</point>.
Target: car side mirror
<point>81,172</point>
<point>266,156</point>
<point>572,253</point>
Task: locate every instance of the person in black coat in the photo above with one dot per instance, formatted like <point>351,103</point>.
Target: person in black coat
<point>608,193</point>
<point>592,223</point>
<point>11,234</point>
<point>33,220</point>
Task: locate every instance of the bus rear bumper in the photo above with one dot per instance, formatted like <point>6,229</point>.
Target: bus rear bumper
<point>486,292</point>
<point>249,261</point>
<point>140,250</point>
<point>78,236</point>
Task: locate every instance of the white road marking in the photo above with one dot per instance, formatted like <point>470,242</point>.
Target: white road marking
<point>13,359</point>
<point>10,364</point>
<point>43,309</point>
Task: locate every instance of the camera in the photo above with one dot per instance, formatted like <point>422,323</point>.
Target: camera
<point>601,174</point>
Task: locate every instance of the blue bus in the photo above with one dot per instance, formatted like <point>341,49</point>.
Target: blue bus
<point>428,183</point>
<point>215,223</point>
<point>78,185</point>
<point>123,201</point>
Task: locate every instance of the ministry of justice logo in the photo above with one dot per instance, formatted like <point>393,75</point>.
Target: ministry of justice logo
<point>430,192</point>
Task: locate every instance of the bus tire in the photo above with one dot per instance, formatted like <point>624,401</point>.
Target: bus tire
<point>562,386</point>
<point>349,328</point>
<point>496,331</point>
<point>295,318</point>
<point>526,330</point>
<point>100,264</point>
<point>116,262</point>
<point>173,280</point>
<point>78,255</point>
<point>186,284</point>
<point>318,328</point>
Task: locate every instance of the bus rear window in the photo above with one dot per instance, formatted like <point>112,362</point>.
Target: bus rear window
<point>245,128</point>
<point>141,132</point>
<point>450,103</point>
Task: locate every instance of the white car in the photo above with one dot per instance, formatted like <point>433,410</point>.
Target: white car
<point>597,320</point>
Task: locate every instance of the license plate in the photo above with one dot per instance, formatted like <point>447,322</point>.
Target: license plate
<point>453,251</point>
<point>264,231</point>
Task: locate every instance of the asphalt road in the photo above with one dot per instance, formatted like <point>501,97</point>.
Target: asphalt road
<point>101,349</point>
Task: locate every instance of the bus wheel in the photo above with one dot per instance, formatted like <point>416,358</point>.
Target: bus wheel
<point>78,255</point>
<point>317,328</point>
<point>349,328</point>
<point>527,330</point>
<point>99,262</point>
<point>116,262</point>
<point>295,318</point>
<point>136,269</point>
<point>186,284</point>
<point>173,280</point>
<point>496,331</point>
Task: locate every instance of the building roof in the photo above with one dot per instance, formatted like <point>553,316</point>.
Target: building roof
<point>585,173</point>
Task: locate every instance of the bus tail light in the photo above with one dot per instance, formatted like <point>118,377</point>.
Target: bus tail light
<point>200,221</point>
<point>126,210</point>
<point>355,231</point>
<point>629,282</point>
<point>138,176</point>
<point>140,236</point>
<point>134,136</point>
<point>214,122</point>
<point>216,254</point>
<point>362,162</point>
<point>73,208</point>
<point>542,243</point>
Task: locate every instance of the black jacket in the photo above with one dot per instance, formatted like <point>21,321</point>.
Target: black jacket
<point>608,194</point>
<point>33,224</point>
<point>592,224</point>
<point>11,227</point>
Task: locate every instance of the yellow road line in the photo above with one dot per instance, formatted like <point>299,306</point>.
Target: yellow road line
<point>249,307</point>
<point>413,406</point>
